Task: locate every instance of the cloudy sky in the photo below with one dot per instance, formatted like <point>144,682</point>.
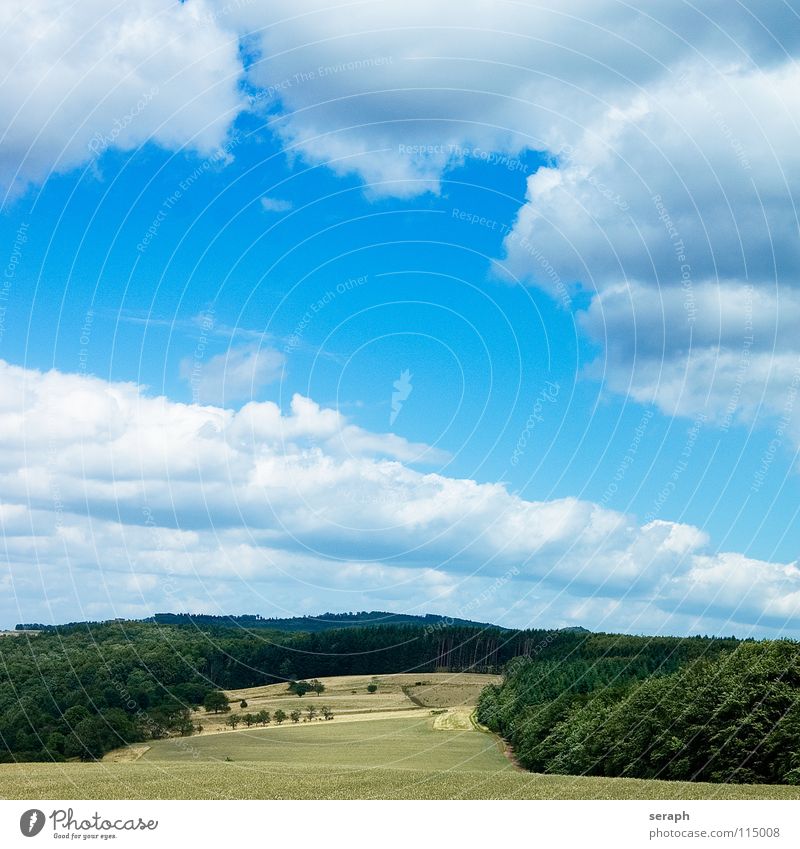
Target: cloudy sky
<point>487,310</point>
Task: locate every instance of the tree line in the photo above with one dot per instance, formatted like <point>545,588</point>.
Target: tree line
<point>265,717</point>
<point>709,710</point>
<point>324,622</point>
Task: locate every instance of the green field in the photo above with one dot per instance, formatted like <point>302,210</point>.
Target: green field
<point>257,780</point>
<point>386,758</point>
<point>397,743</point>
<point>387,748</point>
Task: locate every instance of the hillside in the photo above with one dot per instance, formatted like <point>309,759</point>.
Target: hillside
<point>728,717</point>
<point>412,738</point>
<point>80,691</point>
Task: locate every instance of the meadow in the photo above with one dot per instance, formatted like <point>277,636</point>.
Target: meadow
<point>262,780</point>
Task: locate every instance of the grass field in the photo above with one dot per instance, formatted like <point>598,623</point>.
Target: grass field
<point>403,742</point>
<point>382,746</point>
<point>257,780</point>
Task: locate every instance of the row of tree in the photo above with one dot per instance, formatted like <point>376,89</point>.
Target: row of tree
<point>264,717</point>
<point>730,714</point>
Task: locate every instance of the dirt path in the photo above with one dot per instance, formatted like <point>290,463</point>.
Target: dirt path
<point>126,755</point>
<point>455,719</point>
<point>504,747</point>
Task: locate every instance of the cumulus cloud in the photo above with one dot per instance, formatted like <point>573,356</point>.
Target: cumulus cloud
<point>392,94</point>
<point>722,585</point>
<point>689,181</point>
<point>727,350</point>
<point>79,80</point>
<point>152,503</point>
<point>676,214</point>
<point>671,131</point>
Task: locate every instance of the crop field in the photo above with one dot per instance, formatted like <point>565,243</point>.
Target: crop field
<point>259,780</point>
<point>449,691</point>
<point>404,742</point>
<point>348,697</point>
<point>381,745</point>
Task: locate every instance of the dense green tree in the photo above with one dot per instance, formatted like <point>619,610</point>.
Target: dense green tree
<point>86,740</point>
<point>731,716</point>
<point>56,742</point>
<point>216,701</point>
<point>140,687</point>
<point>299,688</point>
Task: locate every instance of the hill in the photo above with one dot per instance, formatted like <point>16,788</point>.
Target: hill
<point>314,624</point>
<point>82,690</point>
<point>412,738</point>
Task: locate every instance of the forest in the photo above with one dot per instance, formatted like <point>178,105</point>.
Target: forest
<point>726,713</point>
<point>81,690</point>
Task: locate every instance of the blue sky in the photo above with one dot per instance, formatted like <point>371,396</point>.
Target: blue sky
<point>589,278</point>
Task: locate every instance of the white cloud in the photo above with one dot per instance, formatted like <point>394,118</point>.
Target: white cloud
<point>677,214</point>
<point>238,373</point>
<point>670,125</point>
<point>689,181</point>
<point>358,92</point>
<point>146,503</point>
<point>79,79</point>
<point>362,92</point>
<point>275,205</point>
<point>728,350</point>
<point>351,88</point>
<point>723,586</point>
